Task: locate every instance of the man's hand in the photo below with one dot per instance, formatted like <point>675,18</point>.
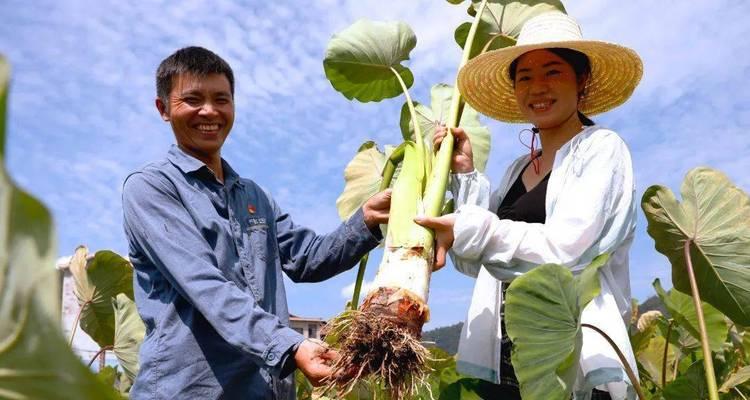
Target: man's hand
<point>376,209</point>
<point>314,359</point>
<point>462,160</point>
<point>443,227</point>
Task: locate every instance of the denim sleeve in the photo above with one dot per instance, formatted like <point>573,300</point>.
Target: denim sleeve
<point>308,257</point>
<point>158,225</point>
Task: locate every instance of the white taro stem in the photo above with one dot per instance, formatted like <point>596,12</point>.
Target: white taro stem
<point>402,281</point>
<point>405,268</point>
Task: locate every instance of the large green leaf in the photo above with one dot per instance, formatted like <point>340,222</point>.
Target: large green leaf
<point>682,309</point>
<point>360,60</point>
<point>363,178</point>
<point>438,112</point>
<point>690,385</point>
<point>35,360</point>
<point>543,318</point>
<point>129,332</point>
<point>501,22</point>
<point>97,281</point>
<point>715,216</point>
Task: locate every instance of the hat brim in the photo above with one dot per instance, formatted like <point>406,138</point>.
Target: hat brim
<point>485,83</point>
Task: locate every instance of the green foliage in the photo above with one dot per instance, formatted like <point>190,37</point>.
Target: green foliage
<point>362,176</point>
<point>543,317</point>
<point>713,216</point>
<point>691,385</point>
<point>463,389</point>
<point>681,308</point>
<point>428,118</point>
<point>35,360</point>
<point>97,281</point>
<point>108,375</point>
<point>501,22</point>
<point>739,377</point>
<point>360,60</point>
<point>129,333</point>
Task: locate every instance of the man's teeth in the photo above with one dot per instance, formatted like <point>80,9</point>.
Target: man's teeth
<point>205,127</point>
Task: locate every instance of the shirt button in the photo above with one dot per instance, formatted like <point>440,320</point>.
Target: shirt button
<point>271,357</point>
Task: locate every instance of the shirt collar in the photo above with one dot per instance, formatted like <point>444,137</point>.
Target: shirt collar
<point>187,164</point>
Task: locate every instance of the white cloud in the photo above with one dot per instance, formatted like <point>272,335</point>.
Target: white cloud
<point>82,114</point>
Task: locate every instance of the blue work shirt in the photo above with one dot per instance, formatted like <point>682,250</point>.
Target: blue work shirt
<point>208,259</point>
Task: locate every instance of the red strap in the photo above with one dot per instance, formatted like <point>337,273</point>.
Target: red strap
<point>533,157</point>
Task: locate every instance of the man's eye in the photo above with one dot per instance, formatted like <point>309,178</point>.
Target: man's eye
<point>222,101</point>
<point>192,100</point>
<point>553,72</point>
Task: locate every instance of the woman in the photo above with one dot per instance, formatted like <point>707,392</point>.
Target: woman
<point>566,203</point>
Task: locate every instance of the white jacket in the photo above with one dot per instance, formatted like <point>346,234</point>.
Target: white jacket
<point>590,210</point>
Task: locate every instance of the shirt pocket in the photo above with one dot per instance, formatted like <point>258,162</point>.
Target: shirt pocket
<point>256,256</point>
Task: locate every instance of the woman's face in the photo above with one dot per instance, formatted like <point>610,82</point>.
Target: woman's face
<point>546,89</point>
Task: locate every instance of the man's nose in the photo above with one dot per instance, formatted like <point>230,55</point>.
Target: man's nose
<point>208,108</point>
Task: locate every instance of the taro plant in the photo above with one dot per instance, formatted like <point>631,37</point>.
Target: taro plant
<point>707,240</point>
<point>35,360</point>
<point>365,62</point>
<point>543,317</point>
<point>104,289</point>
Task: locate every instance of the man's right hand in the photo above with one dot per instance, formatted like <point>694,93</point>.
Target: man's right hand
<point>315,359</point>
<point>462,160</point>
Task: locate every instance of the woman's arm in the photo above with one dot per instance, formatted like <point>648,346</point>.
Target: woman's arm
<point>593,214</point>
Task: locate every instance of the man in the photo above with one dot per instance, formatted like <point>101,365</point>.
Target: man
<point>209,247</point>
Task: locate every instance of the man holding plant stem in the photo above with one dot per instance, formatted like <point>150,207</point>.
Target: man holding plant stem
<point>209,247</point>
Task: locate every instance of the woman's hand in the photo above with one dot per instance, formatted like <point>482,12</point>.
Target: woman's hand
<point>443,227</point>
<point>462,160</point>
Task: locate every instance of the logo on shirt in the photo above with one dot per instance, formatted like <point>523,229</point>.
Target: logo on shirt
<point>251,209</point>
<point>256,222</point>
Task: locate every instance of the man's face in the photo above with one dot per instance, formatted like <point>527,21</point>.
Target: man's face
<point>201,112</point>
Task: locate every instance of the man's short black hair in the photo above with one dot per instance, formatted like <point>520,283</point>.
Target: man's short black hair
<point>194,60</point>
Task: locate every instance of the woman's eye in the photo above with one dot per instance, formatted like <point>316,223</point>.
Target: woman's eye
<point>523,78</point>
<point>553,72</point>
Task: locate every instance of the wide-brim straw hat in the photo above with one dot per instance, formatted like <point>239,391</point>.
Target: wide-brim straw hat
<point>615,70</point>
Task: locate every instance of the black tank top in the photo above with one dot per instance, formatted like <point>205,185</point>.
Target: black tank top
<point>520,205</point>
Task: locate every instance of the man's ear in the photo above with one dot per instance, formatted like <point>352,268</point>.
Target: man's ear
<point>162,107</point>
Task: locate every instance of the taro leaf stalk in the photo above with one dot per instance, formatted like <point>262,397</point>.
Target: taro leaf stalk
<point>707,241</point>
<point>35,360</point>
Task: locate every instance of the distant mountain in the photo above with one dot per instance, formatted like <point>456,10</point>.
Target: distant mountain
<point>652,303</point>
<point>446,337</point>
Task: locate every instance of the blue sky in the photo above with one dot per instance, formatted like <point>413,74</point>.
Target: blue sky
<point>81,113</point>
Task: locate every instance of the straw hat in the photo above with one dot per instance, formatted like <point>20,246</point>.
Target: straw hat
<point>615,70</point>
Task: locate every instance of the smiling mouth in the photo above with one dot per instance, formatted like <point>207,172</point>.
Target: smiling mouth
<point>209,129</point>
<point>542,105</point>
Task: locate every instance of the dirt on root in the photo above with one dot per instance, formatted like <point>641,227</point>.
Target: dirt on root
<point>380,343</point>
